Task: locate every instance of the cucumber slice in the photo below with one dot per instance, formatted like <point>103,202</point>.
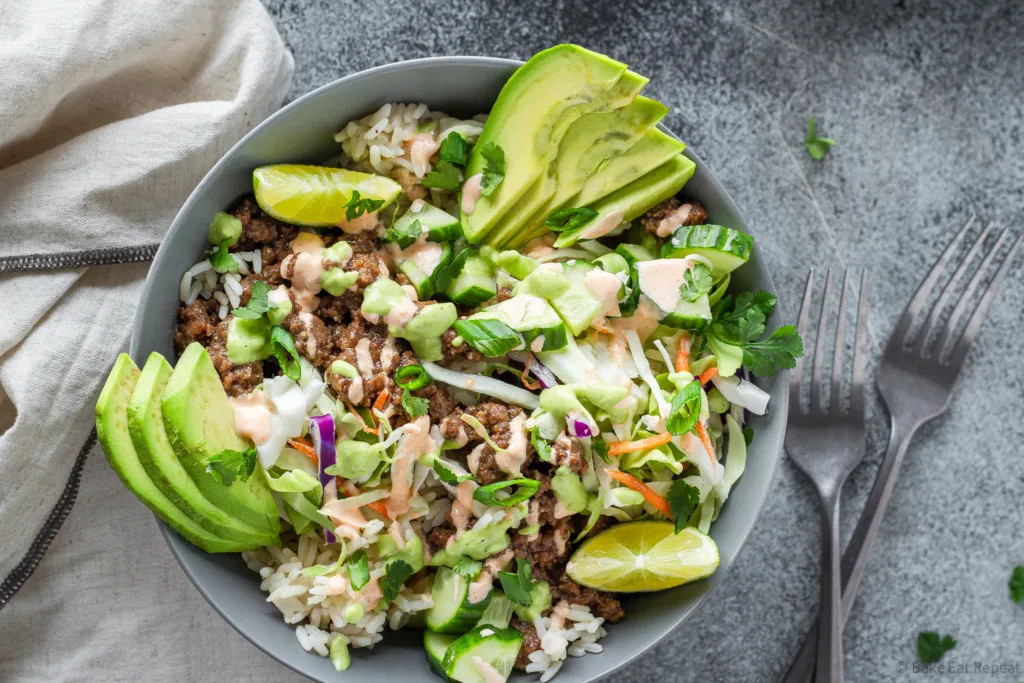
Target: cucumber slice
<point>436,644</point>
<point>452,611</point>
<point>690,315</point>
<point>725,248</point>
<point>498,647</point>
<point>475,284</point>
<point>660,281</point>
<point>530,316</point>
<point>634,252</point>
<point>441,226</point>
<point>424,282</point>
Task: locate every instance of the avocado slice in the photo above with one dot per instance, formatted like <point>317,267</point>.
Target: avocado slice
<point>534,109</point>
<point>112,430</point>
<point>650,151</point>
<point>146,427</point>
<point>200,423</point>
<point>636,198</point>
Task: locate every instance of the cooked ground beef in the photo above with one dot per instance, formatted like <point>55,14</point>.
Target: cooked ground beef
<point>449,350</point>
<point>305,326</point>
<point>197,323</point>
<point>438,537</point>
<point>346,338</point>
<point>531,642</point>
<point>696,215</point>
<point>549,549</point>
<point>602,604</point>
<point>495,418</point>
<point>260,231</point>
<point>237,379</point>
<point>504,294</point>
<point>569,452</point>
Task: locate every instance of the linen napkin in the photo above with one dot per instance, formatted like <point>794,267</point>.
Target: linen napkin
<point>110,112</point>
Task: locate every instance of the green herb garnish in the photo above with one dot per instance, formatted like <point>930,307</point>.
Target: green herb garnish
<point>229,465</point>
<point>683,500</point>
<point>931,648</point>
<point>542,447</point>
<point>740,325</point>
<point>489,336</point>
<point>445,177</point>
<point>356,206</point>
<point>468,568</point>
<point>454,150</point>
<point>685,409</point>
<point>519,585</point>
<point>565,220</point>
<point>282,347</point>
<point>817,147</point>
<point>1017,584</point>
<point>358,569</point>
<point>221,259</point>
<point>395,574</point>
<point>494,171</point>
<point>413,405</point>
<point>403,236</point>
<point>258,302</point>
<point>696,282</point>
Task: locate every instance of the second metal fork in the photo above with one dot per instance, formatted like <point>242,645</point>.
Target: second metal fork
<point>827,443</point>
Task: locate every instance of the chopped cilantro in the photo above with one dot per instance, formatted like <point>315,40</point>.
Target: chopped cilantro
<point>403,236</point>
<point>742,322</point>
<point>518,585</point>
<point>600,447</point>
<point>282,346</point>
<point>258,302</point>
<point>357,206</point>
<point>817,147</point>
<point>468,568</point>
<point>221,260</point>
<point>358,569</point>
<point>445,177</point>
<point>414,406</point>
<point>931,648</point>
<point>454,150</point>
<point>228,465</point>
<point>696,282</point>
<point>447,475</point>
<point>494,171</point>
<point>565,220</point>
<point>395,574</point>
<point>1017,584</point>
<point>683,499</point>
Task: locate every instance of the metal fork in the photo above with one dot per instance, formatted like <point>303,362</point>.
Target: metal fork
<point>827,443</point>
<point>916,380</point>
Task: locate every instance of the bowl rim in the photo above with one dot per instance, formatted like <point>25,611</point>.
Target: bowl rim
<point>780,396</point>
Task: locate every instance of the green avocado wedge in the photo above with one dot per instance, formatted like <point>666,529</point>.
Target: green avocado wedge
<point>534,109</point>
<point>651,151</point>
<point>146,427</point>
<point>112,430</point>
<point>200,423</point>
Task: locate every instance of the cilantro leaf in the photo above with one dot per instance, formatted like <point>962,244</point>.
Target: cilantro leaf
<point>683,500</point>
<point>748,435</point>
<point>685,409</point>
<point>403,236</point>
<point>519,585</point>
<point>282,346</point>
<point>780,350</point>
<point>395,574</point>
<point>494,171</point>
<point>696,282</point>
<point>358,569</point>
<point>542,447</point>
<point>258,302</point>
<point>600,447</point>
<point>447,475</point>
<point>468,568</point>
<point>356,206</point>
<point>1017,584</point>
<point>445,177</point>
<point>565,220</point>
<point>454,150</point>
<point>931,648</point>
<point>414,407</point>
<point>228,465</point>
<point>817,147</point>
<point>221,259</point>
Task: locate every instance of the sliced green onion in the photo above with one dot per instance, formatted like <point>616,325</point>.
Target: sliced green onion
<point>488,336</point>
<point>685,409</point>
<point>527,487</point>
<point>412,377</point>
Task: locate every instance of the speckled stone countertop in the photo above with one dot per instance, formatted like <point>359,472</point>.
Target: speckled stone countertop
<point>925,101</point>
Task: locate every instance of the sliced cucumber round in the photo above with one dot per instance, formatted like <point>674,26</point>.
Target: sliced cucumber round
<point>452,611</point>
<point>436,644</point>
<point>497,647</point>
<point>475,284</point>
<point>726,249</point>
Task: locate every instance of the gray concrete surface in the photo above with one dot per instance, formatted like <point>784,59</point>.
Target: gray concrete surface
<point>925,101</point>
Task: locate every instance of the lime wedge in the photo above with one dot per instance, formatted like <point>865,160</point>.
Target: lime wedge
<point>316,195</point>
<point>643,556</point>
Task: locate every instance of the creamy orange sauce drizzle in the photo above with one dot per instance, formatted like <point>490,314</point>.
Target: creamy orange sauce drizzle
<point>462,508</point>
<point>674,220</point>
<point>471,193</point>
<point>603,226</point>
<point>416,442</point>
<point>355,390</point>
<point>421,147</point>
<point>512,458</point>
<point>306,319</point>
<point>361,223</point>
<point>303,267</point>
<point>364,361</point>
<point>252,416</point>
<point>479,589</point>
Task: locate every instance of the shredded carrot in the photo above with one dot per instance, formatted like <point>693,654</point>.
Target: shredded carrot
<point>706,376</point>
<point>381,401</point>
<point>366,428</point>
<point>378,506</point>
<point>648,493</point>
<point>702,432</point>
<point>683,355</point>
<point>532,385</point>
<point>304,448</point>
<point>641,445</point>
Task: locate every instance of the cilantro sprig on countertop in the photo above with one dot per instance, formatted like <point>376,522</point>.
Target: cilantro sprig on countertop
<point>817,147</point>
<point>1017,584</point>
<point>741,322</point>
<point>931,647</point>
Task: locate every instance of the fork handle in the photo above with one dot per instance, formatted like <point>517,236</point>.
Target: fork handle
<point>855,559</point>
<point>830,620</point>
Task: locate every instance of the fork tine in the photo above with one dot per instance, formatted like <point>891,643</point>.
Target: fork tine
<point>967,294</point>
<point>796,374</point>
<point>837,355</point>
<point>948,293</point>
<point>921,295</point>
<point>819,346</point>
<point>974,324</point>
<point>860,350</point>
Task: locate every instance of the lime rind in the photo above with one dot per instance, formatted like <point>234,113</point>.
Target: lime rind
<point>642,557</point>
<point>315,196</point>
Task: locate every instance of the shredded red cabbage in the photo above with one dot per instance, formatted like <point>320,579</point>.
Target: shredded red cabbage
<point>321,428</point>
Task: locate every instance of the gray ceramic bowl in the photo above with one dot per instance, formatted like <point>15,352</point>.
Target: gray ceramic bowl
<point>303,133</point>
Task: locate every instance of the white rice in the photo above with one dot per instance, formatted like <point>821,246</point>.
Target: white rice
<point>575,637</point>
